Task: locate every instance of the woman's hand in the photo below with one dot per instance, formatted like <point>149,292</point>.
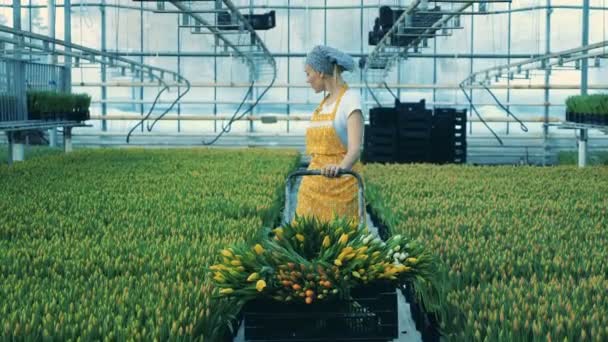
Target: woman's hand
<point>330,170</point>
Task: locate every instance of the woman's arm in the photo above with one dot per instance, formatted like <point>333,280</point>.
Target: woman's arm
<point>355,136</point>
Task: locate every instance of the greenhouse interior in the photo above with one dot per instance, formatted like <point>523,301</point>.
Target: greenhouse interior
<point>304,170</point>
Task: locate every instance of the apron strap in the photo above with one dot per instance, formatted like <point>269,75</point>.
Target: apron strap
<point>336,105</point>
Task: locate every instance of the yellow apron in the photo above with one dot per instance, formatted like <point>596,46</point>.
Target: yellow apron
<point>322,197</point>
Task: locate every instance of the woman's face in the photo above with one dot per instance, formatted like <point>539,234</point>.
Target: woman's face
<point>314,78</point>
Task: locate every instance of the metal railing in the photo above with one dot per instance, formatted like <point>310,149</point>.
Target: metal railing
<point>12,91</point>
<point>39,76</point>
<point>19,76</point>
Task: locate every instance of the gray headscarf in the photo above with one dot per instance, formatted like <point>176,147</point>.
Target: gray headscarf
<point>322,58</point>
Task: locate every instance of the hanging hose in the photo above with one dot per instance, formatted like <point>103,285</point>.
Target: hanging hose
<point>170,107</point>
<point>141,122</point>
<point>369,88</point>
<point>390,91</point>
<point>234,117</point>
<point>479,115</point>
<point>228,127</point>
<point>521,124</point>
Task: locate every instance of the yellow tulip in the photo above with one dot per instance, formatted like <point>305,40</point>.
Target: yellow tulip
<point>260,285</point>
<point>338,262</point>
<point>235,263</point>
<point>278,231</point>
<point>226,291</point>
<point>326,241</point>
<point>349,256</point>
<point>227,253</point>
<point>219,277</point>
<point>343,239</point>
<point>253,277</point>
<point>411,260</point>
<point>347,250</point>
<point>402,268</point>
<point>300,237</point>
<point>258,249</point>
<point>362,250</point>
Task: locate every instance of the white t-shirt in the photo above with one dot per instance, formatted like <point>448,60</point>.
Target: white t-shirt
<point>351,100</point>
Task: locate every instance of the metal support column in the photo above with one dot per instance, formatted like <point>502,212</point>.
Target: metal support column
<point>10,148</point>
<point>585,61</point>
<point>52,60</point>
<point>547,80</point>
<point>17,146</point>
<point>67,139</point>
<point>434,74</point>
<point>29,22</point>
<point>52,137</point>
<point>67,29</point>
<point>141,59</point>
<point>288,61</point>
<point>218,6</point>
<point>52,10</point>
<point>254,93</point>
<point>583,133</point>
<point>362,92</point>
<point>470,72</point>
<point>179,70</point>
<point>104,90</point>
<point>583,137</point>
<point>509,28</point>
<point>324,23</point>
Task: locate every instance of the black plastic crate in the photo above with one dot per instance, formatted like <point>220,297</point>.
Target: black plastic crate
<point>380,141</point>
<point>410,107</point>
<point>380,131</point>
<point>417,157</point>
<point>380,138</point>
<point>426,20</point>
<point>371,157</point>
<point>449,135</point>
<point>413,142</point>
<point>382,117</point>
<point>418,120</point>
<point>405,134</point>
<point>371,315</point>
<point>378,153</point>
<point>380,149</point>
<point>264,21</point>
<point>415,125</point>
<point>387,16</point>
<point>419,115</point>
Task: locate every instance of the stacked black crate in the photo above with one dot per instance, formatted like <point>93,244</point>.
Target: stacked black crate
<point>380,136</point>
<point>460,136</point>
<point>449,136</point>
<point>414,124</point>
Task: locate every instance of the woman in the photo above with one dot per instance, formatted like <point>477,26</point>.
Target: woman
<point>333,139</point>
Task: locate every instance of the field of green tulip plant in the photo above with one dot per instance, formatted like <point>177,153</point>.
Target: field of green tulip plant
<point>115,244</point>
<point>138,244</point>
<point>523,250</point>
